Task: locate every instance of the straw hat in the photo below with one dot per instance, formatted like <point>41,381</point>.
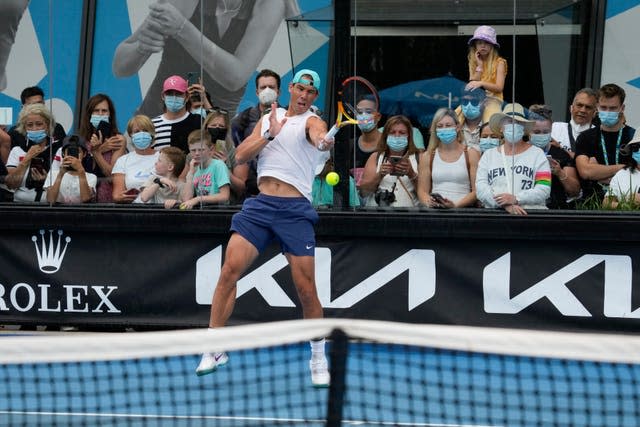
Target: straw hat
<point>510,111</point>
<point>486,33</point>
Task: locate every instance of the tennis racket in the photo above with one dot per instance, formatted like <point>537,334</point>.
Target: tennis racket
<point>353,90</point>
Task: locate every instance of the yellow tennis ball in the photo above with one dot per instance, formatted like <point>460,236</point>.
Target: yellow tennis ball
<point>332,178</point>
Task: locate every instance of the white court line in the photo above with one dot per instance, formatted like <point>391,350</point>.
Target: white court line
<point>220,417</point>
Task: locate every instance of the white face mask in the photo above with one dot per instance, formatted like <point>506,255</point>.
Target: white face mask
<point>267,96</point>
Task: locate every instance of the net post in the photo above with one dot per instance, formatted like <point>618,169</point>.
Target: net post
<point>338,364</point>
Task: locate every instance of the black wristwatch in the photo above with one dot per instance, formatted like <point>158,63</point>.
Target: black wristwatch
<point>267,135</point>
<point>157,181</point>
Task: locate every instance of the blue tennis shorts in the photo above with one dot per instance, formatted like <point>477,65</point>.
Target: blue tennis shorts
<point>289,220</point>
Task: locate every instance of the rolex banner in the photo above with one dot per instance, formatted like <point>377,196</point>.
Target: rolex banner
<point>161,279</point>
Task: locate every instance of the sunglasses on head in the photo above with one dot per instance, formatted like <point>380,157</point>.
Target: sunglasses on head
<point>219,110</point>
<point>543,111</point>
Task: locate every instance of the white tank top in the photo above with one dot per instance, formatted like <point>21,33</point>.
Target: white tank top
<point>290,157</point>
<point>450,180</point>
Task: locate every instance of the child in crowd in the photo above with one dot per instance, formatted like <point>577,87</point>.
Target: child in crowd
<point>165,187</point>
<point>208,178</point>
<point>487,69</point>
<point>72,184</point>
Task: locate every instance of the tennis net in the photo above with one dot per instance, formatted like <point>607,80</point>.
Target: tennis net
<point>383,373</point>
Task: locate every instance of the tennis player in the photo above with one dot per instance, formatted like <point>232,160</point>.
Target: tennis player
<point>289,143</point>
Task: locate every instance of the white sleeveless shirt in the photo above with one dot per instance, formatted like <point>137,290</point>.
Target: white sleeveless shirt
<point>450,180</point>
<point>290,157</point>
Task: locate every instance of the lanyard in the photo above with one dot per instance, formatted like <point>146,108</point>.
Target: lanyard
<point>604,148</point>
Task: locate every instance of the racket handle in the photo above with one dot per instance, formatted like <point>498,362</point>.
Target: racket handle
<point>329,135</point>
<point>332,132</point>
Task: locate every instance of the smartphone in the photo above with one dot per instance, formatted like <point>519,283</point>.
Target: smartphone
<point>38,163</point>
<point>193,77</point>
<point>73,151</point>
<point>221,147</point>
<point>132,192</point>
<point>437,197</point>
<point>105,128</point>
<point>394,161</point>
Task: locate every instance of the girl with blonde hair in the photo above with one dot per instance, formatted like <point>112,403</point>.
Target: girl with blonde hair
<point>487,69</point>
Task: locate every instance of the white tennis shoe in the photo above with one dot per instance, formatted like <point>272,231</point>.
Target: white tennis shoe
<point>210,362</point>
<point>319,372</point>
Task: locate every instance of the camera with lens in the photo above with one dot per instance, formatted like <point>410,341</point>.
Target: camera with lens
<point>385,197</point>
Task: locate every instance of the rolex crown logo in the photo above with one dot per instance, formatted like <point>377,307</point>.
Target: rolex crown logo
<point>50,254</point>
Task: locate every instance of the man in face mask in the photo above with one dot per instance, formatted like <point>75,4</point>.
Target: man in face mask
<point>176,123</point>
<point>267,91</point>
<point>597,149</point>
<point>470,115</point>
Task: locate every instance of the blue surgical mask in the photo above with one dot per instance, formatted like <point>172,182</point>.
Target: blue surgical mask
<point>488,143</point>
<point>97,118</point>
<point>513,132</point>
<point>397,143</point>
<point>366,122</point>
<point>174,103</point>
<point>446,135</point>
<point>36,136</point>
<point>636,156</point>
<point>608,118</point>
<point>540,140</point>
<point>200,111</point>
<point>141,140</point>
<point>471,111</point>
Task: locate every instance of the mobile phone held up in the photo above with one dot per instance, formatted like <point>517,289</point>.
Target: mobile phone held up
<point>37,163</point>
<point>193,77</point>
<point>105,129</point>
<point>72,151</point>
<point>394,160</point>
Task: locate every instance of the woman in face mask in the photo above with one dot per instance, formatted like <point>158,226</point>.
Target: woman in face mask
<point>133,169</point>
<point>624,187</point>
<point>29,163</point>
<point>368,141</point>
<point>565,186</point>
<point>219,127</point>
<point>515,175</point>
<point>391,173</point>
<point>448,168</point>
<point>105,144</point>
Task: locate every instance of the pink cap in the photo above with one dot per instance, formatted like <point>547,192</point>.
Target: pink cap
<point>486,33</point>
<point>175,83</point>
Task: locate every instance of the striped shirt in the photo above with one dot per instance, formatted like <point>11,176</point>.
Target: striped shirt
<point>175,132</point>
